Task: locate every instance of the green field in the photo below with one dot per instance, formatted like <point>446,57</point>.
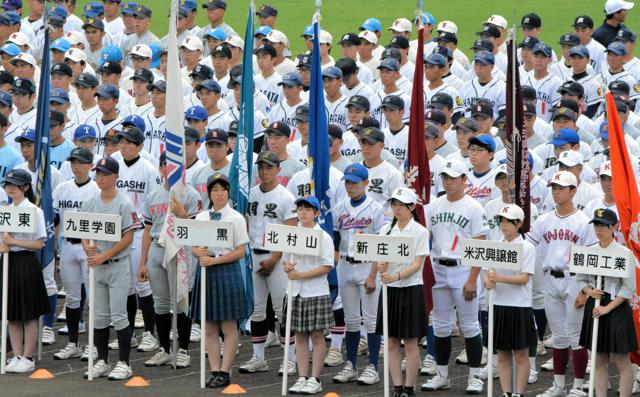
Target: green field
<point>342,16</point>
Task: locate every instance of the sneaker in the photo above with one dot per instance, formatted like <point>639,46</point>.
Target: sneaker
<point>369,376</point>
<point>11,363</point>
<point>462,358</point>
<point>347,374</point>
<point>533,376</point>
<point>291,370</point>
<point>475,385</point>
<point>71,350</point>
<point>548,365</point>
<point>636,387</point>
<point>311,386</point>
<point>22,366</point>
<point>61,293</point>
<point>297,387</point>
<point>195,335</point>
<point>363,347</point>
<point>541,350</point>
<point>100,369</point>
<point>65,330</point>
<point>484,372</point>
<point>455,331</point>
<point>62,317</point>
<point>139,321</point>
<point>114,345</point>
<point>438,382</point>
<point>121,371</point>
<point>428,365</point>
<point>48,336</point>
<point>85,354</point>
<point>182,359</point>
<point>548,342</point>
<point>159,359</point>
<point>272,340</point>
<point>576,392</point>
<point>588,371</point>
<point>222,379</point>
<point>553,391</point>
<point>333,358</point>
<point>585,386</point>
<point>253,365</point>
<point>149,343</point>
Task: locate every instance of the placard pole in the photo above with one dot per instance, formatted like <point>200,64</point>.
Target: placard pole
<point>203,320</point>
<point>594,340</point>
<point>287,333</point>
<point>385,333</point>
<point>5,304</point>
<point>490,343</point>
<point>92,313</point>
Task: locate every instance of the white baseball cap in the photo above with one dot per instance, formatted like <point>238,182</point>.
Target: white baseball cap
<point>502,169</point>
<point>454,168</point>
<point>24,57</point>
<point>447,26</point>
<point>76,55</point>
<point>73,37</point>
<point>141,50</point>
<point>605,168</point>
<point>512,211</point>
<point>192,43</point>
<point>235,41</point>
<point>325,37</point>
<point>401,25</point>
<point>19,39</point>
<point>571,158</point>
<point>563,178</point>
<point>404,195</point>
<point>369,36</point>
<point>497,20</point>
<point>276,36</point>
<point>613,6</point>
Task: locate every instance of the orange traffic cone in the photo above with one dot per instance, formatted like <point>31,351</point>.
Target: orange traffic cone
<point>41,374</point>
<point>137,381</point>
<point>332,394</point>
<point>234,389</point>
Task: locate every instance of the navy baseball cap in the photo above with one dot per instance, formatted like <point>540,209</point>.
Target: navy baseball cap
<point>6,99</point>
<point>24,86</point>
<point>213,4</point>
<point>86,80</point>
<point>217,135</point>
<point>142,74</point>
<point>528,42</point>
<point>84,131</point>
<point>209,85</point>
<point>203,72</point>
<point>604,216</point>
<point>93,22</point>
<point>191,135</point>
<point>389,64</point>
<point>542,48</point>
<point>564,112</point>
<point>436,116</point>
<point>484,140</point>
<point>82,154</point>
<point>391,52</point>
<point>564,136</point>
<point>218,178</point>
<point>359,102</point>
<point>17,177</point>
<point>482,44</point>
<point>392,102</point>
<point>441,100</point>
<point>28,134</point>
<point>435,59</point>
<point>10,5</point>
<point>132,134</point>
<point>58,95</point>
<point>571,88</point>
<point>197,113</point>
<point>569,39</point>
<point>355,173</point>
<point>142,12</point>
<point>302,113</point>
<point>332,72</point>
<point>579,51</point>
<point>444,51</point>
<point>485,58</point>
<point>625,36</point>
<point>617,48</point>
<point>159,85</point>
<point>310,200</point>
<point>291,79</point>
<point>107,165</point>
<point>278,128</point>
<point>107,91</point>
<point>136,121</point>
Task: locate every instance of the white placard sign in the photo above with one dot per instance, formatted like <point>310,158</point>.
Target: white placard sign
<point>376,248</point>
<point>92,226</point>
<point>211,234</point>
<point>293,239</point>
<point>491,254</point>
<point>599,261</point>
<point>17,219</point>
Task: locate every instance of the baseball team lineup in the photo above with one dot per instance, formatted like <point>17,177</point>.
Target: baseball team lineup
<point>210,195</point>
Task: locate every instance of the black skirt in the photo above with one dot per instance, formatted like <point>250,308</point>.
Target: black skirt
<point>616,331</point>
<point>407,316</point>
<point>27,295</point>
<point>513,327</point>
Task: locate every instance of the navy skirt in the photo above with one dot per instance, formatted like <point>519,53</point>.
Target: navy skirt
<point>27,293</point>
<point>226,296</point>
<point>616,331</point>
<point>407,315</point>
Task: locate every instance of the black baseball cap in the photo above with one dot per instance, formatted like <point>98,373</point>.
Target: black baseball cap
<point>335,131</point>
<point>466,124</point>
<point>213,4</point>
<point>447,37</point>
<point>567,103</point>
<point>111,136</point>
<point>55,118</point>
<point>359,102</point>
<point>17,177</point>
<point>391,52</point>
<point>223,50</point>
<point>604,216</point>
<point>528,42</point>
<point>531,20</point>
<point>142,74</point>
<point>279,128</point>
<point>191,135</point>
<point>489,31</point>
<point>268,157</point>
<point>233,128</point>
<point>529,93</point>
<point>583,21</point>
<point>392,102</point>
<point>372,135</point>
<point>217,135</point>
<point>349,38</point>
<point>203,72</point>
<point>347,65</point>
<point>569,39</point>
<point>530,108</point>
<point>267,10</point>
<point>84,155</point>
<point>266,49</point>
<point>24,86</point>
<point>441,100</point>
<point>132,134</point>
<point>302,113</point>
<point>159,85</point>
<point>107,165</point>
<point>62,69</point>
<point>436,116</point>
<point>399,42</point>
<point>218,178</point>
<point>86,80</point>
<point>110,68</point>
<point>571,88</point>
<point>444,51</point>
<point>482,44</point>
<point>482,108</point>
<point>365,122</point>
<point>619,87</point>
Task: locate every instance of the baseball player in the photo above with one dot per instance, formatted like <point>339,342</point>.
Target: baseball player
<point>297,148</point>
<point>592,84</point>
<point>112,272</point>
<point>484,84</point>
<point>108,99</point>
<point>554,233</point>
<point>545,83</point>
<point>278,135</point>
<point>335,101</point>
<point>87,111</point>
<point>217,145</point>
<point>573,161</point>
<point>614,70</point>
<point>479,183</point>
<point>284,110</point>
<point>396,133</point>
<point>155,120</point>
<point>583,27</point>
<point>450,218</point>
<point>267,81</point>
<point>434,68</point>
<point>389,75</point>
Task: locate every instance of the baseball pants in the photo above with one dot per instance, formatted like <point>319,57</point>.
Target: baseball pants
<point>112,287</point>
<point>162,280</point>
<point>49,279</point>
<point>538,287</point>
<point>74,272</point>
<point>351,278</point>
<point>563,318</point>
<point>447,295</point>
<point>275,284</point>
<point>141,288</point>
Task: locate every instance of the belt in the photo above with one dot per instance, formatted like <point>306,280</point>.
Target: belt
<point>74,240</point>
<point>557,273</point>
<point>448,262</point>
<point>110,261</point>
<point>350,259</point>
<point>260,252</point>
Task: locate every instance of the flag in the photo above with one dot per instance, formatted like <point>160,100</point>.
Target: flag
<point>516,138</point>
<point>175,255</point>
<point>625,192</point>
<point>418,175</point>
<point>242,162</point>
<point>43,193</point>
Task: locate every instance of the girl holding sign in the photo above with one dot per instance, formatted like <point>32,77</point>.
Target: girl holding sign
<point>226,298</point>
<point>405,297</point>
<point>513,321</point>
<point>27,294</point>
<point>616,332</point>
<point>311,313</point>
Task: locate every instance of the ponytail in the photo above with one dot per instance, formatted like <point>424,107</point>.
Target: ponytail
<point>29,194</point>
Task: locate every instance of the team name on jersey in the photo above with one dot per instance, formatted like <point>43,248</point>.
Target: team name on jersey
<point>304,190</point>
<point>346,222</point>
<point>544,97</point>
<point>399,153</point>
<point>468,102</point>
<point>493,222</point>
<point>69,204</point>
<point>269,209</point>
<point>449,217</point>
<point>56,164</point>
<point>375,185</point>
<point>337,119</point>
<point>348,152</point>
<point>155,134</point>
<point>131,186</point>
<point>478,192</point>
<point>551,161</point>
<point>560,234</point>
<point>158,209</point>
<point>273,97</point>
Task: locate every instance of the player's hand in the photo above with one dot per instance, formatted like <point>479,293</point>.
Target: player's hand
<point>388,278</point>
<point>266,267</point>
<point>4,248</point>
<point>289,267</point>
<point>601,311</point>
<point>96,259</point>
<point>469,290</point>
<point>199,252</point>
<point>293,275</point>
<point>178,209</point>
<point>370,284</point>
<point>90,250</point>
<point>142,273</point>
<point>383,267</point>
<point>581,299</point>
<point>595,293</point>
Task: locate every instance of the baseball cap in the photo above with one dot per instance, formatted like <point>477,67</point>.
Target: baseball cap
<point>209,85</point>
<point>92,10</point>
<point>332,72</point>
<point>496,20</point>
<point>428,19</point>
<point>55,118</point>
<point>531,20</point>
<point>202,72</point>
<point>86,80</point>
<point>482,108</point>
<point>372,135</point>
<point>436,116</point>
<point>196,113</point>
<point>528,92</point>
<point>58,95</point>
<point>232,130</point>
<point>605,168</point>
<point>107,91</point>
<point>128,8</point>
<point>75,55</point>
<point>110,53</point>
<point>308,31</point>
<point>404,195</point>
<point>391,52</point>
<point>347,65</point>
<point>441,100</point>
<point>564,136</point>
<point>190,5</point>
<point>530,108</point>
<point>569,39</point>
<point>571,158</point>
<point>62,69</point>
<point>349,38</point>
<point>482,44</point>
<point>6,99</point>
<point>217,135</point>
<point>359,102</point>
<point>626,36</point>
<point>268,157</point>
<point>571,88</point>
<point>10,18</point>
<point>266,49</point>
<point>11,4</point>
<point>107,165</point>
<point>84,155</point>
<point>234,41</point>
<point>355,173</point>
<point>159,85</point>
<point>431,130</point>
<point>392,102</point>
<point>218,178</point>
<point>304,60</point>
<point>435,59</point>
<point>484,140</point>
<point>604,130</point>
<point>365,122</point>
<point>311,200</point>
<point>111,136</point>
<point>489,31</point>
<point>372,25</point>
<point>277,36</point>
<point>19,39</point>
<point>466,125</point>
<point>278,128</point>
<point>24,86</point>
<point>17,177</point>
<point>447,26</point>
<point>512,212</point>
<point>267,10</point>
<point>302,113</point>
<point>217,34</point>
<point>401,25</point>
<point>604,216</point>
<point>542,48</point>
<point>617,48</point>
<point>579,51</point>
<point>28,134</point>
<point>502,168</point>
<point>84,131</point>
<point>191,135</point>
<point>325,37</point>
<point>132,134</point>
<point>192,43</point>
<point>93,22</point>
<point>619,87</point>
<point>135,121</point>
<point>528,42</point>
<point>24,57</point>
<point>110,68</point>
<point>141,50</point>
<point>447,37</point>
<point>142,12</point>
<point>225,51</point>
<point>399,42</point>
<point>485,58</point>
<point>613,6</point>
<point>444,51</point>
<point>583,21</point>
<point>213,4</point>
<point>10,49</point>
<point>454,168</point>
<point>368,36</point>
<point>563,178</point>
<point>564,112</point>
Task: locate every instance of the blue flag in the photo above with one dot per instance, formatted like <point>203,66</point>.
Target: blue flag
<point>319,137</point>
<point>242,162</point>
<point>43,193</point>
